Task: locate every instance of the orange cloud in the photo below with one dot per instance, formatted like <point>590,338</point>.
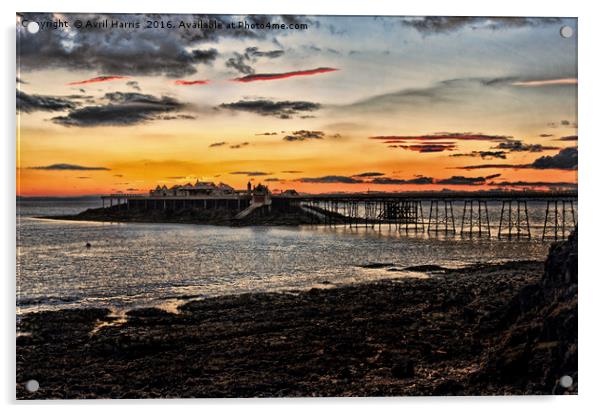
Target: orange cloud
<point>97,80</point>
<point>276,76</point>
<point>182,82</point>
<point>549,82</point>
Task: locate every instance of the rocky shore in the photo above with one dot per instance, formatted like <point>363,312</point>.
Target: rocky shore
<point>489,329</point>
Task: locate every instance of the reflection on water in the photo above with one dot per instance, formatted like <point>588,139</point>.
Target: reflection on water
<point>133,265</point>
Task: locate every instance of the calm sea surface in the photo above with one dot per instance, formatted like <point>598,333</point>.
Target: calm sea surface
<point>132,265</point>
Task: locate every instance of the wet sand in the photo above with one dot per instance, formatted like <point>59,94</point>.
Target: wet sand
<point>489,329</point>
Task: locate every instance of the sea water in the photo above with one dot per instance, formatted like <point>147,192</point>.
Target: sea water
<point>135,264</point>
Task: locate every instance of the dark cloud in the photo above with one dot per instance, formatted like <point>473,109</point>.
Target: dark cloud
<point>250,173</point>
<point>426,180</point>
<point>545,135</point>
<point>566,185</point>
<point>332,179</point>
<point>442,24</point>
<point>427,147</point>
<point>33,103</point>
<point>274,180</point>
<point>446,136</point>
<point>216,144</point>
<point>498,81</point>
<point>563,122</point>
<point>69,167</point>
<point>566,159</point>
<point>520,146</point>
<point>369,174</point>
<point>134,85</point>
<point>255,52</point>
<point>239,145</point>
<point>385,180</point>
<point>421,180</point>
<point>173,117</point>
<point>127,51</point>
<point>482,154</point>
<point>122,109</point>
<point>292,172</point>
<point>238,63</point>
<point>464,180</point>
<point>493,165</point>
<point>446,141</point>
<point>568,138</point>
<point>266,134</point>
<point>241,62</point>
<point>133,51</point>
<point>280,109</point>
<point>302,135</point>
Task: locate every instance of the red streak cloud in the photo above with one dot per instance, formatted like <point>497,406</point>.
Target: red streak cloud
<point>181,82</point>
<point>276,76</point>
<point>445,136</point>
<point>97,80</point>
<point>428,148</point>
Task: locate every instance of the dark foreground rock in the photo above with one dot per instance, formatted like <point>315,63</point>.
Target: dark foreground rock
<point>486,330</point>
<point>538,340</point>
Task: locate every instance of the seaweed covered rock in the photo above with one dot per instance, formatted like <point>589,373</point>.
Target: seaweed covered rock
<point>537,332</point>
<point>561,265</point>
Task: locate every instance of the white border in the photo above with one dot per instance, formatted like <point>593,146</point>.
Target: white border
<point>590,338</point>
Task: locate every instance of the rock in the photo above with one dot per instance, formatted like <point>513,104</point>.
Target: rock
<point>376,265</point>
<point>426,268</point>
<point>24,340</point>
<point>538,329</point>
<point>561,265</point>
<point>403,369</point>
<point>147,312</point>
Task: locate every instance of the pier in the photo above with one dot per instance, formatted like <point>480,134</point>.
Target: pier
<point>441,213</point>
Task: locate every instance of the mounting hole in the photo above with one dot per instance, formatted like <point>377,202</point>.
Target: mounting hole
<point>566,381</point>
<point>32,386</point>
<point>566,32</point>
<point>33,27</point>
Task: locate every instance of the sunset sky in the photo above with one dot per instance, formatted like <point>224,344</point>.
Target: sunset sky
<point>340,104</point>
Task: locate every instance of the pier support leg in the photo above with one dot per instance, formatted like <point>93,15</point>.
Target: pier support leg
<point>517,224</point>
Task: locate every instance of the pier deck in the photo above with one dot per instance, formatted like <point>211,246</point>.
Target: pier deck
<point>409,211</point>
